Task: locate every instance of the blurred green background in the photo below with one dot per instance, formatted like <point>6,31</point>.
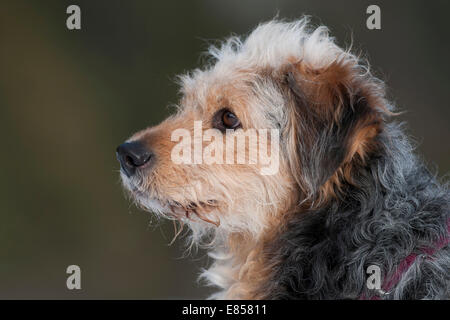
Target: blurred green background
<point>68,98</point>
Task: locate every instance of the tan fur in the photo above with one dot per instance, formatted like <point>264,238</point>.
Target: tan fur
<point>238,210</point>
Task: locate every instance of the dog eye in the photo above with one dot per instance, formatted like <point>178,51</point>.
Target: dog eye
<point>230,120</point>
<point>225,119</point>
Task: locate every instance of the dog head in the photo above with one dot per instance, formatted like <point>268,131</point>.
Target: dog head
<point>301,111</point>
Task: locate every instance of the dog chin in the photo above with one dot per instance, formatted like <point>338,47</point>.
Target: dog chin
<point>169,208</point>
<point>155,206</point>
<point>141,197</point>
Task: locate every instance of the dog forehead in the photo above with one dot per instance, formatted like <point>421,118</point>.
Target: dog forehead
<point>271,46</point>
<point>203,88</point>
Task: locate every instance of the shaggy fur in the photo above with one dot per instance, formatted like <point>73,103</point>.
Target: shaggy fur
<point>395,207</point>
<point>349,192</point>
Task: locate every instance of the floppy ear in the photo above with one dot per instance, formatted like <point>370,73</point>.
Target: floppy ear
<point>334,116</point>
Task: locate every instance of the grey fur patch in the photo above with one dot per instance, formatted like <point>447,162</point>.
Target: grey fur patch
<point>396,208</point>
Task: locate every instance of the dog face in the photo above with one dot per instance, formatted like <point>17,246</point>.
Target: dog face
<point>221,193</point>
<point>323,111</point>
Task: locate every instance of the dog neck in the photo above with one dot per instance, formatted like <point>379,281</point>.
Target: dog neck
<point>239,265</point>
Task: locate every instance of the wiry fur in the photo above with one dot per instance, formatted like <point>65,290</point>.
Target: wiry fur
<point>349,192</point>
<point>395,208</point>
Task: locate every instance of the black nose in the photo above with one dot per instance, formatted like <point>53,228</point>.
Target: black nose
<point>132,155</point>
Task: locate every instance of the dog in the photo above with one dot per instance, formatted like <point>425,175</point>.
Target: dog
<point>350,212</point>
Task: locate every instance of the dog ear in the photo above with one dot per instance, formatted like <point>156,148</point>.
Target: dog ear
<point>334,115</point>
